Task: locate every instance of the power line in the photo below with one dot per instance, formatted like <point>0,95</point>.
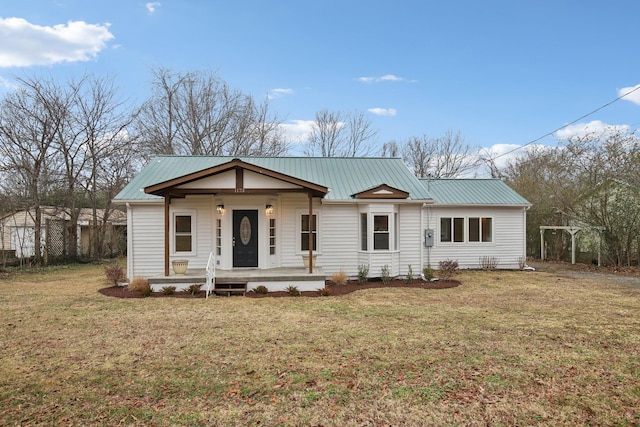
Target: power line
<point>569,124</point>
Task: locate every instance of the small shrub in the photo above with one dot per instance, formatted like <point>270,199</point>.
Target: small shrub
<point>339,278</point>
<point>261,289</point>
<point>138,284</point>
<point>522,263</point>
<point>325,292</point>
<point>488,262</point>
<point>168,290</point>
<point>193,289</point>
<point>146,290</point>
<point>447,269</point>
<point>409,275</point>
<point>385,276</point>
<point>114,273</point>
<point>293,291</point>
<point>428,273</point>
<point>363,273</point>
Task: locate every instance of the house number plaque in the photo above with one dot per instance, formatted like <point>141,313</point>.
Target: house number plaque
<point>245,231</point>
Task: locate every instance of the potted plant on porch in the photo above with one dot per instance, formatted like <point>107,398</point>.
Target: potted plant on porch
<point>180,266</point>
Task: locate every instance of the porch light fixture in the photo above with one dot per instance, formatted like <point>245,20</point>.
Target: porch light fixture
<point>220,208</point>
<point>269,209</point>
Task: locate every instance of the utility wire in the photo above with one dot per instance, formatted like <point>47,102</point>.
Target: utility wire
<point>569,124</point>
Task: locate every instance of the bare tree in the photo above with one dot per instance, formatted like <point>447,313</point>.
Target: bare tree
<point>338,134</point>
<point>445,157</point>
<point>30,121</point>
<point>390,149</point>
<point>196,113</point>
<point>106,150</point>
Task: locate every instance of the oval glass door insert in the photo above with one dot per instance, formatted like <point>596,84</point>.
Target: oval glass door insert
<point>245,231</point>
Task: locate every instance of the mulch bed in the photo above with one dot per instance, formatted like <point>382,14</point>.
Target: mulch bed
<point>350,286</point>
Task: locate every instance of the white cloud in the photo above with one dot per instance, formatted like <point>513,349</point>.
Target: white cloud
<point>298,130</point>
<point>595,128</point>
<point>385,78</point>
<point>151,6</point>
<point>279,92</point>
<point>632,97</point>
<point>38,45</point>
<point>383,111</point>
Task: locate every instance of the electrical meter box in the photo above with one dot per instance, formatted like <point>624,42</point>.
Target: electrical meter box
<point>428,238</point>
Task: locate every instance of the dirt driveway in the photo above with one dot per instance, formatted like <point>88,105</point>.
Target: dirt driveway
<point>582,271</point>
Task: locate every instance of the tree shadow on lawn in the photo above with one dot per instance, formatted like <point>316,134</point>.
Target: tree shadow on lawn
<point>334,289</point>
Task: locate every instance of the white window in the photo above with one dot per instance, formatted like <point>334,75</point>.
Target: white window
<point>183,225</point>
<point>383,234</point>
<point>452,229</point>
<point>272,236</point>
<point>480,229</point>
<point>307,231</point>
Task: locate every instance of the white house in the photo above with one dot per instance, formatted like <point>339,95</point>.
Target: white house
<point>260,215</point>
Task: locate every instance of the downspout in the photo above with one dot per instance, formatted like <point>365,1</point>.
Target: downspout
<point>130,254</point>
<point>311,233</point>
<point>167,202</point>
<point>422,237</point>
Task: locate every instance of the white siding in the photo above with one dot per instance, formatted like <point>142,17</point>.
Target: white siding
<point>147,235</point>
<point>508,237</point>
<point>339,229</point>
<point>410,239</point>
<point>147,241</point>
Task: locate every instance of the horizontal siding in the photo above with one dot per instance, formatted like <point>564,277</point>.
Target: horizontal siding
<point>147,234</point>
<point>508,237</point>
<point>410,239</point>
<point>339,239</point>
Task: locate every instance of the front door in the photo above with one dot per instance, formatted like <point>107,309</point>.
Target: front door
<point>245,238</point>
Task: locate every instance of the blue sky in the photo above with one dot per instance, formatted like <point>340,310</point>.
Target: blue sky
<point>502,72</point>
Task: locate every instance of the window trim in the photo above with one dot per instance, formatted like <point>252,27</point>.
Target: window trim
<point>393,225</point>
<point>192,213</point>
<point>318,237</point>
<point>466,232</point>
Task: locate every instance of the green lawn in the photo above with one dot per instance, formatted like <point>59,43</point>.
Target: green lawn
<point>505,348</point>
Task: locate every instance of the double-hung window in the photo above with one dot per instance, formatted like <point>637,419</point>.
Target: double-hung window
<point>308,232</point>
<point>378,231</point>
<point>183,233</point>
<point>381,232</point>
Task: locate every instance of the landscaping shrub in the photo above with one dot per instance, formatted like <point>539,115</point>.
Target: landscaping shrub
<point>325,292</point>
<point>339,278</point>
<point>363,273</point>
<point>428,273</point>
<point>409,275</point>
<point>385,276</point>
<point>115,273</point>
<point>138,284</point>
<point>168,290</point>
<point>447,269</point>
<point>193,289</point>
<point>261,289</point>
<point>293,291</point>
<point>488,262</point>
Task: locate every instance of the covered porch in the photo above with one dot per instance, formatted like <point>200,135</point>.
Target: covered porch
<point>274,279</point>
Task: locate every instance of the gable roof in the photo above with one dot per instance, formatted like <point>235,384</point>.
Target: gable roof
<point>343,177</point>
<point>485,192</point>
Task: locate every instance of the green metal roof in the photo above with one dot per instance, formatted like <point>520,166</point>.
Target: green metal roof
<point>472,192</point>
<point>343,176</point>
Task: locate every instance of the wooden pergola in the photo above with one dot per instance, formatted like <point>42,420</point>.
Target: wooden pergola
<point>573,230</point>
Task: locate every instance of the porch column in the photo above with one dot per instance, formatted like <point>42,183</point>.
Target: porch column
<point>167,202</point>
<point>311,233</point>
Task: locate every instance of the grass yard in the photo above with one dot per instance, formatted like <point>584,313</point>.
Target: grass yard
<point>504,348</point>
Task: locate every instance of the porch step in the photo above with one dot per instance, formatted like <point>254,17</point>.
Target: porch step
<point>229,288</point>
